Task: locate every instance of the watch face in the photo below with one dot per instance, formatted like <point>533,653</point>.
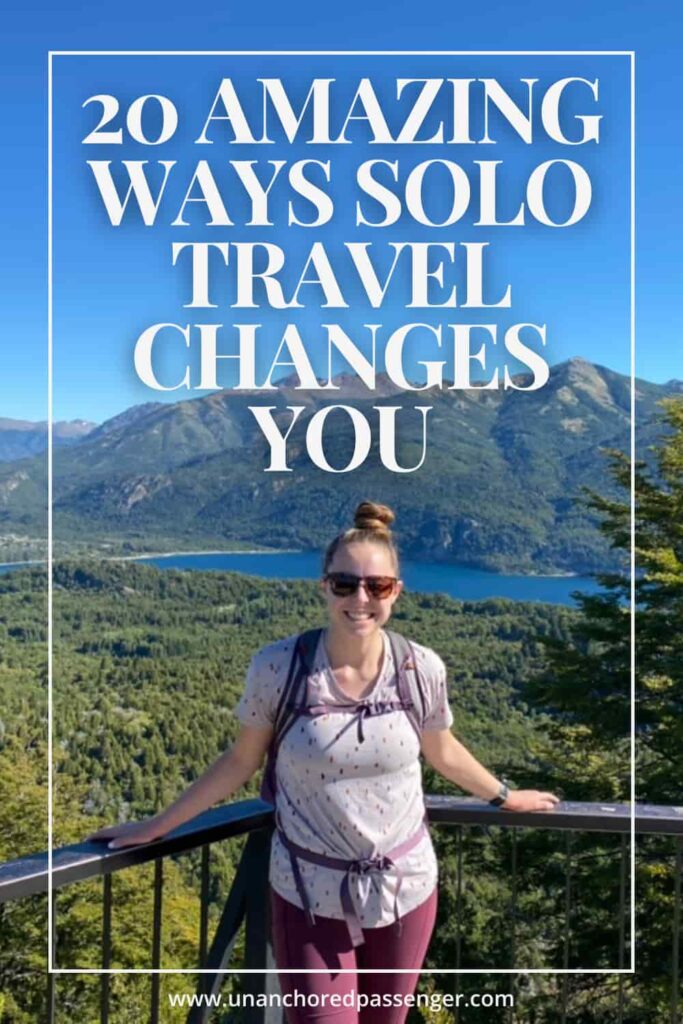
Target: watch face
<point>502,795</point>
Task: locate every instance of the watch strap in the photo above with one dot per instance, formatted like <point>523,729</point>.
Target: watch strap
<point>501,796</point>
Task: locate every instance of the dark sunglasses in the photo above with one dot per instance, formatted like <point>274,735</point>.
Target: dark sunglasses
<point>344,584</point>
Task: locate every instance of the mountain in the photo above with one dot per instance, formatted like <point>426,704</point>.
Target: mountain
<point>125,419</point>
<point>20,439</point>
<point>500,486</point>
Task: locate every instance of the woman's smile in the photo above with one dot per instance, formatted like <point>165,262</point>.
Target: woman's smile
<point>360,614</point>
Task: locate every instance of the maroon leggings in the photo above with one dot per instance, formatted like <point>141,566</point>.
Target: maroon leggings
<point>326,945</point>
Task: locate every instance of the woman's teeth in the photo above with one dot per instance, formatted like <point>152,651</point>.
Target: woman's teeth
<point>358,616</point>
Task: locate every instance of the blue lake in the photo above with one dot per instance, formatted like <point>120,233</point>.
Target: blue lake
<point>458,581</point>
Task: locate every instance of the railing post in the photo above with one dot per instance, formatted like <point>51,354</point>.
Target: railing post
<point>106,950</point>
<point>566,949</point>
<point>513,921</point>
<point>156,940</point>
<point>204,906</point>
<point>458,919</point>
<point>258,952</point>
<point>622,926</point>
<point>228,926</point>
<point>52,977</point>
<point>675,952</point>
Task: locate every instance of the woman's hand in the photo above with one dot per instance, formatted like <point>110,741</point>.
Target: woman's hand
<point>132,833</point>
<point>530,800</point>
<point>452,760</point>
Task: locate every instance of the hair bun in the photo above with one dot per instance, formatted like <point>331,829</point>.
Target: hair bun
<point>371,523</point>
<point>374,517</point>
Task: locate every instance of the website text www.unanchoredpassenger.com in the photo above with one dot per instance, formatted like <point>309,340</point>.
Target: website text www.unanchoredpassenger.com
<point>353,1000</point>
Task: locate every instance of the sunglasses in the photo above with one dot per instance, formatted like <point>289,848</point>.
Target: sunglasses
<point>344,584</point>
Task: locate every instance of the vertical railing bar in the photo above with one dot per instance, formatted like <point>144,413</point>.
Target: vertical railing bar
<point>513,919</point>
<point>458,899</point>
<point>204,907</point>
<point>258,948</point>
<point>106,949</point>
<point>565,997</point>
<point>52,978</point>
<point>567,923</point>
<point>225,935</point>
<point>622,901</point>
<point>675,953</point>
<point>620,1000</point>
<point>156,941</point>
<point>567,900</point>
<point>622,926</point>
<point>458,919</point>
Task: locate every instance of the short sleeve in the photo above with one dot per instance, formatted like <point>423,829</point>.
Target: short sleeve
<point>435,686</point>
<point>258,703</point>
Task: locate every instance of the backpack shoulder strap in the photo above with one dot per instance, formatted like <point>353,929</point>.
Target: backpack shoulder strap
<point>308,645</point>
<point>410,685</point>
<point>300,667</point>
<point>294,697</point>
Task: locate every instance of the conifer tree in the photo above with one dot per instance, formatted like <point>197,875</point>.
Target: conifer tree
<point>587,685</point>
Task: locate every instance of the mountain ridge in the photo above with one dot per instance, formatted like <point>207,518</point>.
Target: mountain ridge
<point>21,439</point>
<point>499,488</point>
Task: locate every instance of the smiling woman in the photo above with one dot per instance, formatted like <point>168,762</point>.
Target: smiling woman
<point>343,714</point>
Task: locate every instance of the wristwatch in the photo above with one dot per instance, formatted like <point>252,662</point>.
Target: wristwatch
<point>501,796</point>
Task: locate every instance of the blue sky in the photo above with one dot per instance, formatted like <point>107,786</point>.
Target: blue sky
<point>111,283</point>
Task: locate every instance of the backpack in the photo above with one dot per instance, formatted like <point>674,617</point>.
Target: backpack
<point>294,699</point>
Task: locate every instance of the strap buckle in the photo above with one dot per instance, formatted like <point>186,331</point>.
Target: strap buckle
<point>369,864</point>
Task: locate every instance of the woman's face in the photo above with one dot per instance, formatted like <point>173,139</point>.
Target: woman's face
<point>360,615</point>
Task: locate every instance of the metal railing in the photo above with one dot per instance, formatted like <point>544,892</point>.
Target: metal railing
<point>247,903</point>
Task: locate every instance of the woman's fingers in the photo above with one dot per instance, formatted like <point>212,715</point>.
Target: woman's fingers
<point>139,833</point>
<point>132,833</point>
<point>129,840</point>
<point>530,800</point>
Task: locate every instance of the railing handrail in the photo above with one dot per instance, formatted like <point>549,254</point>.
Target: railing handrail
<point>28,876</point>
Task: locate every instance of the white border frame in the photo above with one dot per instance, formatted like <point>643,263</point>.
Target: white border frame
<point>117,53</point>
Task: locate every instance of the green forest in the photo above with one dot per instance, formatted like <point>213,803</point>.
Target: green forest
<point>148,667</point>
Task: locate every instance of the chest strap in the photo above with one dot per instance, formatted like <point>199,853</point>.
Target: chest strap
<point>361,710</point>
<point>364,866</point>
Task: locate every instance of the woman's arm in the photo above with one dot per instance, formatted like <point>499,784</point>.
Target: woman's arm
<point>452,760</point>
<point>225,776</point>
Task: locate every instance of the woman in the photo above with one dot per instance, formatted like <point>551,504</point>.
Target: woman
<point>344,714</point>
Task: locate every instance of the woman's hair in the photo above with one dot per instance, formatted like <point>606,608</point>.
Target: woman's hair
<point>371,522</point>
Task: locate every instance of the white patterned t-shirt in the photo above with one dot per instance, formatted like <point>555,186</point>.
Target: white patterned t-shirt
<point>345,797</point>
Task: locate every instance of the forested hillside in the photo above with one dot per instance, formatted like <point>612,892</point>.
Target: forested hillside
<point>500,487</point>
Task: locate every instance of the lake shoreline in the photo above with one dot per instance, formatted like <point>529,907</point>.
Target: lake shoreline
<point>462,582</point>
<point>148,555</point>
<point>198,554</point>
<point>301,551</point>
<point>155,554</point>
